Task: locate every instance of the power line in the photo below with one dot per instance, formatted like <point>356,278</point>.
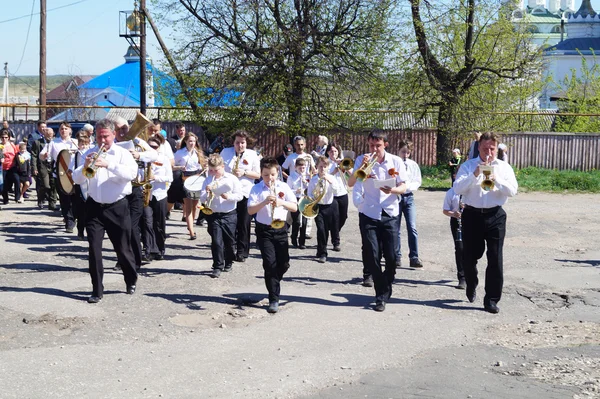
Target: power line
<point>37,13</point>
<point>27,37</point>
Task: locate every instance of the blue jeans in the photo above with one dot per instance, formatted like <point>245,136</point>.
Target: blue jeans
<point>408,209</point>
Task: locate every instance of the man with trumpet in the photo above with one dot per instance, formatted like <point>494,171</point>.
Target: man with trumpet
<point>220,194</point>
<point>109,170</point>
<point>485,184</point>
<point>378,178</point>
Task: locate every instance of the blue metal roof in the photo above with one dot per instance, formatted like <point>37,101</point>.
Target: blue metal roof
<point>125,80</point>
<point>576,45</point>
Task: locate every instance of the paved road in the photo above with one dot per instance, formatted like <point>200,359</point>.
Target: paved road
<point>185,335</point>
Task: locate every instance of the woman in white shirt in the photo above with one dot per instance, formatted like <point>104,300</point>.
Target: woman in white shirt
<point>190,160</point>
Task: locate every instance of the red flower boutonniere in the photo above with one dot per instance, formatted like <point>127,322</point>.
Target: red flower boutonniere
<point>281,194</point>
<point>393,172</point>
<point>245,162</point>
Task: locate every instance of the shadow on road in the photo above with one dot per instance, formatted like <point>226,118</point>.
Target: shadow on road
<point>592,263</point>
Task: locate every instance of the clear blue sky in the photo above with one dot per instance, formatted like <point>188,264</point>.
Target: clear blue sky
<point>82,36</point>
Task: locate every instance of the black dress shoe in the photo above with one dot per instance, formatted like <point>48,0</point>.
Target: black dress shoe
<point>215,273</point>
<point>322,259</point>
<point>461,285</point>
<point>158,256</point>
<point>380,306</point>
<point>131,289</point>
<point>240,258</point>
<point>228,268</point>
<point>336,248</point>
<point>302,246</point>
<point>491,307</point>
<point>147,258</point>
<point>273,307</point>
<point>367,281</point>
<point>471,295</point>
<point>94,299</point>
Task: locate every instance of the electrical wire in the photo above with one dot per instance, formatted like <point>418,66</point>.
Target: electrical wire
<point>37,13</point>
<point>26,37</point>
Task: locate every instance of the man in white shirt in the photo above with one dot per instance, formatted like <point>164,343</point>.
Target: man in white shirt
<point>485,184</point>
<point>224,191</point>
<point>300,146</point>
<point>107,207</point>
<point>142,153</point>
<point>245,165</point>
<point>378,215</point>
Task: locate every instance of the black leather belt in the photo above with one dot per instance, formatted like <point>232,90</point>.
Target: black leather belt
<point>107,205</point>
<point>482,210</point>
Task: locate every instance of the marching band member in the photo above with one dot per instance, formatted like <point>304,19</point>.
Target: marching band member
<point>42,170</point>
<point>109,170</point>
<point>221,192</point>
<point>485,184</point>
<point>378,214</point>
<point>81,190</point>
<point>64,142</point>
<point>270,200</point>
<point>162,176</point>
<point>298,181</point>
<point>340,195</point>
<point>326,217</point>
<point>135,198</point>
<point>245,165</point>
<point>453,209</point>
<point>190,161</point>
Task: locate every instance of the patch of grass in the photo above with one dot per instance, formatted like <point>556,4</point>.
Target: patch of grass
<point>529,179</point>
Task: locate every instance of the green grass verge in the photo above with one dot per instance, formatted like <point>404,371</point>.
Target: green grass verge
<point>530,179</point>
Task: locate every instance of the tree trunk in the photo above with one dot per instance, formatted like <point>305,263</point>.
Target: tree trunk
<point>447,129</point>
<point>296,97</point>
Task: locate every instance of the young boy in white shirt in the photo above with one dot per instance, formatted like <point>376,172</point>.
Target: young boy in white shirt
<point>298,181</point>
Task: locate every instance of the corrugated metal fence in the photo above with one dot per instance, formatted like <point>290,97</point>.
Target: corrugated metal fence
<point>544,150</point>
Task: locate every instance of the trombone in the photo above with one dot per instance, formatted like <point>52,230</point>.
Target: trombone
<point>365,169</point>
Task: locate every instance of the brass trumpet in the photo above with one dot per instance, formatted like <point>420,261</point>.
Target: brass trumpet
<point>275,223</point>
<point>206,207</point>
<point>487,184</point>
<point>345,165</point>
<point>365,169</point>
<point>90,171</point>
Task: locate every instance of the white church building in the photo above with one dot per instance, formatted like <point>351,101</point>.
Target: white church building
<point>582,42</point>
<point>543,18</point>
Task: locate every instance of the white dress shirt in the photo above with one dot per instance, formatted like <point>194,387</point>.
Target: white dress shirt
<point>248,162</point>
<point>413,172</point>
<point>54,147</point>
<point>218,204</point>
<point>451,201</point>
<point>372,201</point>
<point>469,186</point>
<point>329,190</point>
<point>163,175</point>
<point>188,159</point>
<point>340,187</point>
<point>148,154</point>
<point>260,192</point>
<point>296,181</point>
<point>112,183</point>
<point>290,161</point>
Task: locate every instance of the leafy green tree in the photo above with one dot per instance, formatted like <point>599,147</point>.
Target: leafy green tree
<point>473,59</point>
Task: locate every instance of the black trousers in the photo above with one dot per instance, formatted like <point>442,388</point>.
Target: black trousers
<point>243,228</point>
<point>114,219</point>
<point>296,228</point>
<point>46,190</point>
<point>481,230</point>
<point>79,209</point>
<point>221,228</point>
<point>374,232</point>
<point>11,180</point>
<point>66,207</point>
<point>326,222</point>
<point>342,202</point>
<point>147,227</point>
<point>274,249</point>
<point>159,222</point>
<point>458,249</point>
<point>136,209</point>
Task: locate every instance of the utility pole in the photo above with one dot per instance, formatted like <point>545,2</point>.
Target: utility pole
<point>42,100</point>
<point>142,15</point>
<point>5,112</point>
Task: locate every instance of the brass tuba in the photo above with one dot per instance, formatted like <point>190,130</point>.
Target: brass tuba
<point>275,223</point>
<point>309,206</point>
<point>138,128</point>
<point>365,169</point>
<point>90,171</point>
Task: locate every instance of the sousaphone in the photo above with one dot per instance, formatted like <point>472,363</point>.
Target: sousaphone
<point>65,181</point>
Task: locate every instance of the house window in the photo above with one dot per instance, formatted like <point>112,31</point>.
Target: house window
<point>555,29</point>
